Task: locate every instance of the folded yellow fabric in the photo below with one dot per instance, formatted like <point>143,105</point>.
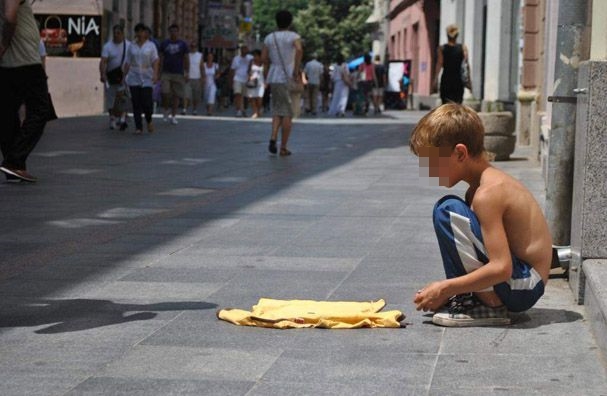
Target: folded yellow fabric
<point>290,314</point>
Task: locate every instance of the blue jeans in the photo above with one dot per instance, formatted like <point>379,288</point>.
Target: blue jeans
<point>461,245</point>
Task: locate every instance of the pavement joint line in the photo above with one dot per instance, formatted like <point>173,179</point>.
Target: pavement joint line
<point>435,364</point>
<point>40,258</point>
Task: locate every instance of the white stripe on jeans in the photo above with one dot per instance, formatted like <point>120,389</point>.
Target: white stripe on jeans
<point>465,242</point>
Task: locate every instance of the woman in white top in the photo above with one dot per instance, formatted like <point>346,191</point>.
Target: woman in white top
<point>281,57</point>
<point>256,84</point>
<point>211,73</point>
<point>341,87</point>
<point>142,72</point>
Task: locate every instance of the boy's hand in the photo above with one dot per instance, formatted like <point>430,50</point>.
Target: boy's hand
<point>431,297</point>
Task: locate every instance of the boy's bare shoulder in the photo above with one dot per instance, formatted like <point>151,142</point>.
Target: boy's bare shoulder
<point>499,193</point>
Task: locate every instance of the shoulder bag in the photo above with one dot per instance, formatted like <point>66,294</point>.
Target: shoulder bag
<point>465,72</point>
<point>115,76</point>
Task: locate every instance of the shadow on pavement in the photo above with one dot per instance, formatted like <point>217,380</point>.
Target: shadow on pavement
<point>65,316</point>
<point>538,317</point>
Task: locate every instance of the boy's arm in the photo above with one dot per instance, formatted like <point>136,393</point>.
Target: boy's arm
<point>489,208</point>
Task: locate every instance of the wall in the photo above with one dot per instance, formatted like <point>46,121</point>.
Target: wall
<point>412,37</point>
<point>74,85</point>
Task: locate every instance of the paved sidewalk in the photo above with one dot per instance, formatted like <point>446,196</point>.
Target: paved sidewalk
<point>113,265</point>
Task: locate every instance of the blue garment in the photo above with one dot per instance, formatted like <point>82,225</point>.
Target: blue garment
<point>173,53</point>
<point>462,250</point>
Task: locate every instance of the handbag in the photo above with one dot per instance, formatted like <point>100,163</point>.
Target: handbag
<point>252,83</point>
<point>295,87</point>
<point>465,74</point>
<point>115,76</point>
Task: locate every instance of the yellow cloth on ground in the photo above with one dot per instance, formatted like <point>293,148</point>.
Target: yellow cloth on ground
<point>289,314</point>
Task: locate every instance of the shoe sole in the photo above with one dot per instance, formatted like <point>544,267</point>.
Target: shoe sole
<point>448,322</point>
<point>18,176</point>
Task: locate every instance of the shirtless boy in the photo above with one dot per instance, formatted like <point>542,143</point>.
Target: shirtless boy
<point>495,245</point>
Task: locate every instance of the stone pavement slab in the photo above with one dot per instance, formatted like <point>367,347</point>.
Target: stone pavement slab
<point>112,267</point>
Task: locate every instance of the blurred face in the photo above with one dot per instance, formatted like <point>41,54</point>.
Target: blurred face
<point>142,35</point>
<point>118,35</point>
<point>173,33</point>
<point>193,47</point>
<point>439,163</point>
<point>244,50</point>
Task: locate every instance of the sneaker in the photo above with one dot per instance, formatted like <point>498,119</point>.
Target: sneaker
<point>113,124</point>
<point>150,127</point>
<point>239,114</point>
<point>123,126</point>
<point>194,112</point>
<point>21,174</point>
<point>184,112</point>
<point>466,310</point>
<point>174,121</point>
<point>165,118</point>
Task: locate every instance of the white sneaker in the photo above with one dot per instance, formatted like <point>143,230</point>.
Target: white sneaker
<point>165,118</point>
<point>113,124</point>
<point>174,121</point>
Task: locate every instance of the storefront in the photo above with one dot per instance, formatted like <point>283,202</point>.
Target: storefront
<point>73,34</point>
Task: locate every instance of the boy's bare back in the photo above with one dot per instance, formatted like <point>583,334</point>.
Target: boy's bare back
<point>499,194</point>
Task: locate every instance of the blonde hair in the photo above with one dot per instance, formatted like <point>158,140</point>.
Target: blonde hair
<point>449,125</point>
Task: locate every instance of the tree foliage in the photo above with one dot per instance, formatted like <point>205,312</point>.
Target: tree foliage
<point>327,27</point>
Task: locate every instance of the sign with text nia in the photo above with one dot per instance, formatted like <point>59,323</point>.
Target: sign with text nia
<point>77,36</point>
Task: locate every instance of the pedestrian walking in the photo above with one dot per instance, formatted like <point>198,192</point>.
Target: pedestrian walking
<point>379,84</point>
<point>113,57</point>
<point>211,74</point>
<point>452,58</point>
<point>341,87</point>
<point>281,55</point>
<point>224,85</point>
<point>193,88</point>
<point>239,75</point>
<point>141,69</point>
<point>256,84</point>
<point>22,81</point>
<point>313,70</point>
<point>175,61</point>
<point>325,87</point>
<point>366,80</point>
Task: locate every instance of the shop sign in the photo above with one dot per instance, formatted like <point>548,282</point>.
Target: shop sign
<point>71,35</point>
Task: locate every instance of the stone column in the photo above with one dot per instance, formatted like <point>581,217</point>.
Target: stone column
<point>473,38</point>
<point>497,50</point>
<point>588,268</point>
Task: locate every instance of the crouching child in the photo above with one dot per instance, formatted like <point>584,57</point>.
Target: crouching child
<point>495,244</point>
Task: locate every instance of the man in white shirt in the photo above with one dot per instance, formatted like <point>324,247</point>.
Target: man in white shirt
<point>239,74</point>
<point>113,56</point>
<point>313,70</point>
<point>193,88</point>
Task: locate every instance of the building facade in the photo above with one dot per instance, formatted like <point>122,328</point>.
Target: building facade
<point>413,35</point>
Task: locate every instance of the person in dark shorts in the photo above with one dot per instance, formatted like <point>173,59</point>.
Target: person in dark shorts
<point>449,58</point>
